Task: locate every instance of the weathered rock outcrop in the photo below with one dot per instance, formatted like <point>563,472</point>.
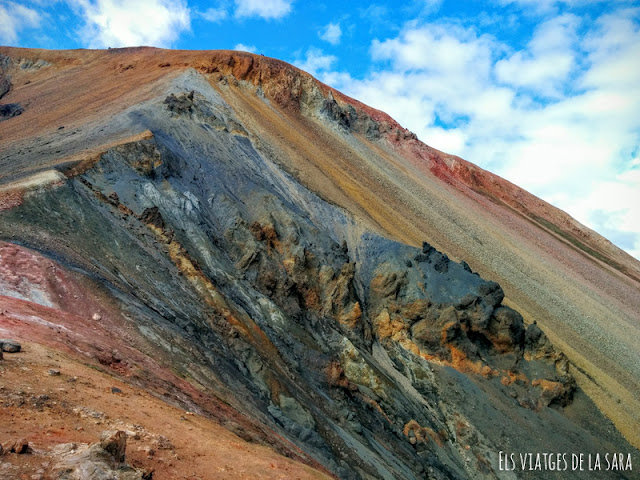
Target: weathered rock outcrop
<point>104,460</point>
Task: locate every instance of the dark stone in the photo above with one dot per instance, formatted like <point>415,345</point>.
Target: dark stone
<point>491,293</point>
<point>5,85</point>
<point>442,264</point>
<point>336,113</point>
<point>10,110</point>
<point>421,258</point>
<point>465,301</point>
<point>152,216</point>
<point>427,248</point>
<point>9,346</point>
<point>533,335</point>
<point>180,104</point>
<point>508,326</point>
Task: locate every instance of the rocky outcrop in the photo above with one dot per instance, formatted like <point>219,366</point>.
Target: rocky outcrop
<point>104,460</point>
<point>7,110</point>
<point>19,447</point>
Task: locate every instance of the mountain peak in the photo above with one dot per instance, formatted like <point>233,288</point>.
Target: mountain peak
<point>223,231</point>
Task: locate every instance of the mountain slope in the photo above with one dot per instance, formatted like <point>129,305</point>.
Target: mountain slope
<point>274,205</point>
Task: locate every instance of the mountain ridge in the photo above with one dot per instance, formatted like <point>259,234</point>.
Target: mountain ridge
<point>303,136</point>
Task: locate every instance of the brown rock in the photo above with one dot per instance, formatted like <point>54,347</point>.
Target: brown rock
<point>114,442</point>
<point>19,446</point>
<point>22,446</point>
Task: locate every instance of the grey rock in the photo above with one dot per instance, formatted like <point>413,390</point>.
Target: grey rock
<point>9,346</point>
<point>10,110</point>
<point>5,85</point>
<point>98,461</point>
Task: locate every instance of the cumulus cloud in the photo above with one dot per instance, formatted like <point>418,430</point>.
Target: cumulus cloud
<point>315,62</point>
<point>121,23</point>
<point>14,18</point>
<point>548,60</point>
<point>267,9</point>
<point>558,117</point>
<point>331,33</point>
<point>245,48</point>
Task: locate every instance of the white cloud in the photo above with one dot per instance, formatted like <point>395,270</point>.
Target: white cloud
<point>572,146</point>
<point>532,6</point>
<point>13,19</point>
<point>315,62</point>
<point>331,33</point>
<point>267,9</point>
<point>431,6</point>
<point>214,15</point>
<point>245,48</point>
<point>547,62</point>
<point>123,23</point>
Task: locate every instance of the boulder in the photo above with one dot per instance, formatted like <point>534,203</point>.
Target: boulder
<point>9,346</point>
<point>98,461</point>
<point>10,110</point>
<point>115,443</point>
<point>16,446</point>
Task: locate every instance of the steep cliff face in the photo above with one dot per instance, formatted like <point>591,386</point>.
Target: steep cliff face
<point>193,224</point>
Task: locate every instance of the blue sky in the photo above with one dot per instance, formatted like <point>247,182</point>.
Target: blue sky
<point>545,93</point>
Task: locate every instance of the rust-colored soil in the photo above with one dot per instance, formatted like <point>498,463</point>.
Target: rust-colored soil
<point>80,403</point>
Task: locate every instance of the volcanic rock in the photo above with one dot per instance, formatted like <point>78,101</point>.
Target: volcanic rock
<point>10,110</point>
<point>9,346</point>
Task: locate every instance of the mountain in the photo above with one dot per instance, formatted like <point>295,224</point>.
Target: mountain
<point>255,276</point>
